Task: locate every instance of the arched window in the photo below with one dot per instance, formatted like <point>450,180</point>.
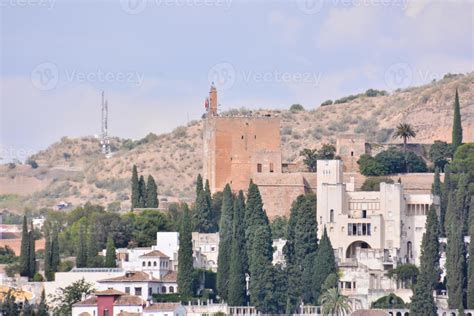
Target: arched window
<point>144,263</point>
<point>331,216</point>
<point>409,250</point>
<point>399,314</point>
<point>171,289</point>
<point>149,263</point>
<point>163,289</point>
<point>154,263</point>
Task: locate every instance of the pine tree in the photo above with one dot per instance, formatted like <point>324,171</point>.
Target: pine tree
<point>225,243</point>
<point>324,263</point>
<point>81,258</point>
<point>185,256</point>
<point>455,256</point>
<point>92,248</point>
<point>135,199</point>
<point>25,250</point>
<point>429,259</point>
<point>142,192</point>
<point>237,285</point>
<point>422,301</point>
<point>110,254</point>
<point>42,306</point>
<point>32,253</point>
<point>151,193</point>
<point>457,126</point>
<point>199,186</point>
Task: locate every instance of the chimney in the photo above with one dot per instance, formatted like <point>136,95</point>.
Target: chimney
<point>83,296</point>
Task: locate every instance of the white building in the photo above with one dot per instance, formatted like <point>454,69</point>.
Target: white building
<point>141,284</point>
<point>206,250</point>
<point>109,303</point>
<point>371,232</point>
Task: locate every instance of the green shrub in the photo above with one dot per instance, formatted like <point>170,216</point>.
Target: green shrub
<point>327,102</point>
<point>296,108</point>
<point>388,302</point>
<point>373,183</point>
<point>38,277</point>
<point>32,163</point>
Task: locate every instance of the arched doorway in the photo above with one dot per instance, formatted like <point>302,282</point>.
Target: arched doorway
<point>351,250</point>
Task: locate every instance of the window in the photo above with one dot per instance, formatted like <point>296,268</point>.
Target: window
<point>352,154</point>
<point>150,291</point>
<point>364,213</point>
<point>143,263</point>
<point>271,166</point>
<point>149,263</point>
<point>163,289</point>
<point>138,291</point>
<point>259,167</point>
<point>171,289</point>
<point>242,137</point>
<point>359,229</point>
<point>154,263</point>
<point>331,216</point>
<point>106,312</point>
<point>127,289</point>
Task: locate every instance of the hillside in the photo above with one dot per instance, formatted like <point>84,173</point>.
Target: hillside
<point>73,170</point>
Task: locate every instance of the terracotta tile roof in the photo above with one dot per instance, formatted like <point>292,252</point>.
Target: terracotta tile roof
<point>109,292</point>
<point>155,253</point>
<point>91,301</point>
<point>129,300</point>
<point>121,300</point>
<point>369,312</point>
<point>129,314</point>
<point>171,276</point>
<point>133,276</point>
<point>161,307</point>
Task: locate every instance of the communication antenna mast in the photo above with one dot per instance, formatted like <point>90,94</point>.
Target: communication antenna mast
<point>104,141</point>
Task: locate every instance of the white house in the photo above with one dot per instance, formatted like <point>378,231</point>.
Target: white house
<point>109,303</point>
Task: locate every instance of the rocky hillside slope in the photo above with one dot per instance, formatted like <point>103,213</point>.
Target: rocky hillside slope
<point>73,170</point>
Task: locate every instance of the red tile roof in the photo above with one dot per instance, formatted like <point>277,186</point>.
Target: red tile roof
<point>109,292</point>
<point>133,276</point>
<point>121,300</point>
<point>155,253</point>
<point>162,307</point>
<point>171,276</point>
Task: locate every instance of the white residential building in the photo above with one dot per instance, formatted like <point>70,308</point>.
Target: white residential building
<point>165,309</point>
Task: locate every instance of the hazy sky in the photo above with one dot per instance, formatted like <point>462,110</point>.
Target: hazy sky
<point>156,59</point>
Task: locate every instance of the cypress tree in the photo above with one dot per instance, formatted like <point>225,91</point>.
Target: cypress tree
<point>255,217</point>
<point>445,191</point>
<point>237,285</point>
<point>462,200</point>
<point>25,250</point>
<point>225,243</point>
<point>142,192</point>
<point>185,256</point>
<point>324,263</point>
<point>199,186</point>
<point>422,301</point>
<point>457,127</point>
<point>55,259</point>
<point>92,248</point>
<point>261,274</point>
<point>42,306</point>
<point>151,193</point>
<point>429,259</point>
<point>81,258</point>
<point>455,256</point>
<point>436,187</point>
<point>470,262</point>
<point>48,270</point>
<point>135,199</point>
<point>204,223</point>
<point>32,253</point>
<point>110,254</point>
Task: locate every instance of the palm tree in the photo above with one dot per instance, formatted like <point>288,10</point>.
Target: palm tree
<point>404,131</point>
<point>334,303</point>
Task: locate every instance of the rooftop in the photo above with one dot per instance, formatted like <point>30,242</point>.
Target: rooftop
<point>155,253</point>
<point>132,276</point>
<point>162,307</point>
